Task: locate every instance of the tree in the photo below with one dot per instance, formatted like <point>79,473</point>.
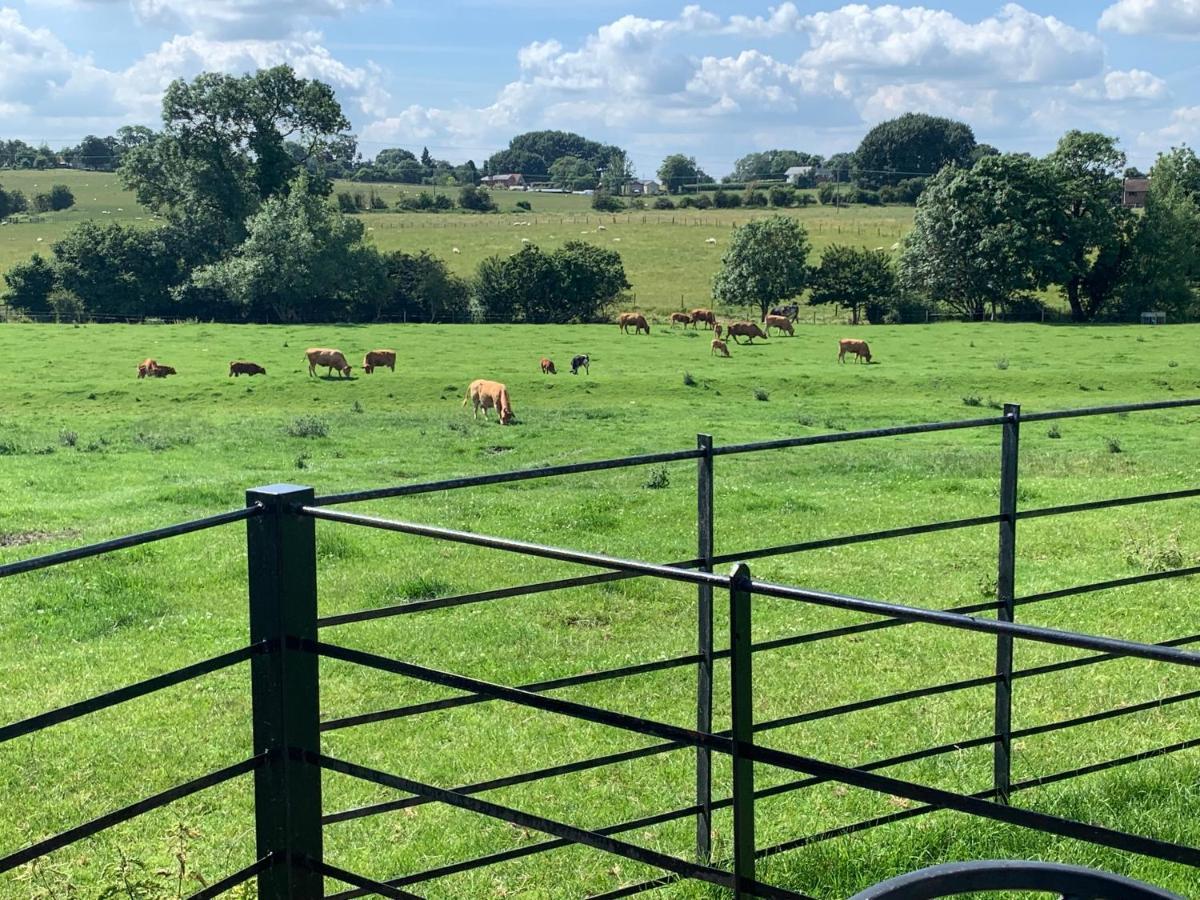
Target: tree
<point>913,144</point>
<point>11,203</point>
<point>302,261</point>
<point>590,279</point>
<point>418,286</point>
<point>96,153</point>
<point>856,278</point>
<point>1164,272</point>
<point>1095,230</point>
<point>678,172</point>
<point>770,164</point>
<point>982,235</point>
<point>29,285</point>
<point>426,159</point>
<point>603,201</point>
<point>616,170</point>
<point>222,152</point>
<point>766,263</point>
<point>476,198</point>
<point>841,165</point>
<point>574,283</point>
<point>61,197</point>
<point>520,162</point>
<point>573,174</point>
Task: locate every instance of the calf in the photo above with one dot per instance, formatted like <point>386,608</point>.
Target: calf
<point>245,368</point>
<point>548,367</point>
<point>707,316</point>
<point>379,358</point>
<point>719,346</point>
<point>331,359</point>
<point>146,367</point>
<point>680,318</point>
<point>748,330</point>
<point>580,362</point>
<point>489,395</point>
<point>859,348</point>
<point>783,323</point>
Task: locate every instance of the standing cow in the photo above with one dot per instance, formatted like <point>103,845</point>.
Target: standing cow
<point>707,316</point>
<point>485,395</point>
<point>850,345</point>
<point>790,311</point>
<point>636,320</point>
<point>548,366</point>
<point>376,358</point>
<point>783,323</point>
<point>580,362</point>
<point>748,330</point>
<point>330,359</point>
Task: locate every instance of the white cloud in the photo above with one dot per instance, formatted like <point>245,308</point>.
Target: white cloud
<point>1183,128</point>
<point>1135,84</point>
<point>1174,18</point>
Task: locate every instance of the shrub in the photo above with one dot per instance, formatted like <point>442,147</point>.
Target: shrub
<point>663,203</point>
<point>703,201</point>
<point>760,394</point>
<point>345,201</point>
<point>1112,444</point>
<point>659,478</point>
<point>442,202</point>
<point>972,400</point>
<point>1002,363</point>
<point>606,202</point>
<point>1054,433</point>
<point>1143,552</point>
<point>726,200</point>
<point>68,438</point>
<point>524,204</point>
<point>755,198</point>
<point>782,195</point>
<point>476,199</point>
<point>307,427</point>
<point>688,380</point>
<point>377,202</point>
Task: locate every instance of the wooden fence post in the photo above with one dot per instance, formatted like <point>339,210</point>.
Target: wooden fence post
<point>1005,581</point>
<point>282,560</point>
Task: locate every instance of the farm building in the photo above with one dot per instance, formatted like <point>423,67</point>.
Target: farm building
<point>636,188</point>
<point>1135,192</point>
<point>510,181</point>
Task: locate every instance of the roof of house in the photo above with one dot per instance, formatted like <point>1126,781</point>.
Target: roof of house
<point>798,170</point>
<point>1137,184</point>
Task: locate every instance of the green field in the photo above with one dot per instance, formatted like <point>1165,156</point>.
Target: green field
<point>667,260</point>
<point>88,452</point>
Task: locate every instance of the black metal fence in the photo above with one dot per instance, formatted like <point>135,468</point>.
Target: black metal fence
<point>286,647</point>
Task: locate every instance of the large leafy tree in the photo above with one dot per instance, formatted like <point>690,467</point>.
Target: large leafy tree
<point>678,172</point>
<point>121,271</point>
<point>30,284</point>
<point>577,282</point>
<point>913,144</point>
<point>573,174</point>
<point>1094,230</point>
<point>854,277</point>
<point>223,149</point>
<point>984,234</point>
<point>770,164</point>
<point>766,263</point>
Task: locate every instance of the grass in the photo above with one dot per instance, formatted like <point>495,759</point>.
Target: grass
<point>146,453</point>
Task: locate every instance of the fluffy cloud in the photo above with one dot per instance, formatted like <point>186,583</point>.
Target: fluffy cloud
<point>1183,128</point>
<point>1167,17</point>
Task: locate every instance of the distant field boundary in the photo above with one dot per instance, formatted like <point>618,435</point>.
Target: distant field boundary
<point>286,646</point>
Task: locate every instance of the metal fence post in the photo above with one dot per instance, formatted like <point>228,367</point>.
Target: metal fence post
<point>282,558</point>
<point>741,703</point>
<point>1005,569</point>
<point>704,632</point>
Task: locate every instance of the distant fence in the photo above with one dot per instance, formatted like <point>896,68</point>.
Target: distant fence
<point>286,646</point>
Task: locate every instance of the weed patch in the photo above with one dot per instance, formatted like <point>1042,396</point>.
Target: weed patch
<point>307,427</point>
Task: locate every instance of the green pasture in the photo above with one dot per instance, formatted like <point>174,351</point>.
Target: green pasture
<point>667,258</point>
<point>89,452</point>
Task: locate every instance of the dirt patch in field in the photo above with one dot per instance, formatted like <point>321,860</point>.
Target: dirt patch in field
<point>21,538</point>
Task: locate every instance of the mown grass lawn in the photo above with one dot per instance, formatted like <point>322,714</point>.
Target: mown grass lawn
<point>87,452</point>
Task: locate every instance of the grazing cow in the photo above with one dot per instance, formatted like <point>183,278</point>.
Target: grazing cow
<point>680,318</point>
<point>858,348</point>
<point>580,362</point>
<point>330,359</point>
<point>719,346</point>
<point>245,368</point>
<point>548,367</point>
<point>637,320</point>
<point>488,395</point>
<point>145,367</point>
<point>706,316</point>
<point>376,358</point>
<point>783,323</point>
<point>161,371</point>
<point>748,330</point>
<point>790,311</point>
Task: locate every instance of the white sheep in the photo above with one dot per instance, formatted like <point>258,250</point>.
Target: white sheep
<point>710,240</point>
<point>601,228</point>
<point>455,250</point>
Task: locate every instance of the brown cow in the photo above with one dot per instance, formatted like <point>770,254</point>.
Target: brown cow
<point>161,371</point>
<point>637,320</point>
<point>489,395</point>
<point>548,367</point>
<point>153,368</point>
<point>707,316</point>
<point>331,359</point>
<point>748,330</point>
<point>857,347</point>
<point>245,368</point>
<point>379,358</point>
<point>719,346</point>
<point>783,323</point>
<point>680,318</point>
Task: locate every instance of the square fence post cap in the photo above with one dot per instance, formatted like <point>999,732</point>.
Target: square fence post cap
<point>279,490</point>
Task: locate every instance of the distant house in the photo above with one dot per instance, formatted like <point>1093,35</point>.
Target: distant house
<point>1135,192</point>
<point>509,181</point>
<point>636,188</point>
<point>807,174</point>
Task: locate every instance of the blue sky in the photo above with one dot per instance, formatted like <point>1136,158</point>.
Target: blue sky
<point>714,80</point>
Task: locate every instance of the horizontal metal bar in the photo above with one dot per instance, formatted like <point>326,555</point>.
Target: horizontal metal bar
<point>501,856</point>
<point>865,537</point>
<point>125,813</point>
<point>449,484</point>
<point>129,540</point>
<point>987,626</point>
<point>129,692</point>
<point>635,724</point>
<point>1109,585</point>
<point>527,820</point>
<point>1105,714</point>
<point>370,885</point>
<point>217,888</point>
<point>839,437</point>
<point>1107,504</point>
<point>479,787</point>
<point>1094,834</point>
<point>1077,662</point>
<point>1107,764</point>
<point>536,687</point>
<point>1108,410</point>
<point>824,598</point>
